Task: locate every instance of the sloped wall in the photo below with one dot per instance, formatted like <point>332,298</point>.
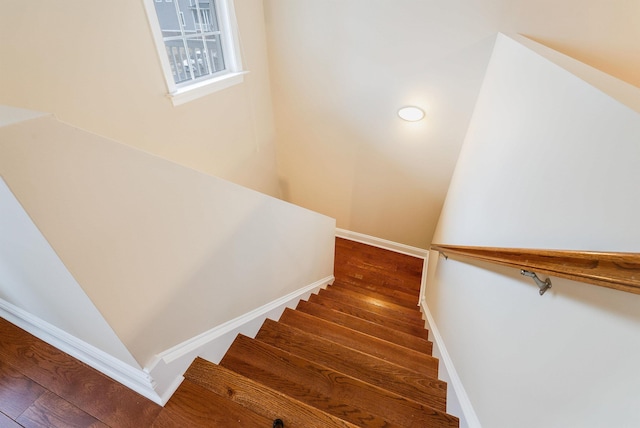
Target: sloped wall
<point>34,279</point>
<point>549,161</point>
<point>163,252</point>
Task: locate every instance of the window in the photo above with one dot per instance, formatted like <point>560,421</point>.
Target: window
<point>198,45</point>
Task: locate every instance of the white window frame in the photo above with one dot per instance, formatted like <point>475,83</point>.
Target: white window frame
<point>233,74</point>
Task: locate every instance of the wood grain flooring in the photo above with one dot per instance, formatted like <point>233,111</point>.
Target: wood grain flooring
<point>41,386</point>
<point>355,354</point>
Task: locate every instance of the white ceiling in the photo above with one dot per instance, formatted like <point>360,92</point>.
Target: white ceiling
<point>340,69</point>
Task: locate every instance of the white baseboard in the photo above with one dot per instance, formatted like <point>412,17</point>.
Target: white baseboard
<point>458,403</point>
<point>167,368</point>
<point>382,243</point>
<point>131,377</point>
<point>423,280</point>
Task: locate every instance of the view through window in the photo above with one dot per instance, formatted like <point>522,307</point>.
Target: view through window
<point>193,36</point>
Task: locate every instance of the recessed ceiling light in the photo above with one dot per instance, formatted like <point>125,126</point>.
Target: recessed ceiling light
<point>411,113</point>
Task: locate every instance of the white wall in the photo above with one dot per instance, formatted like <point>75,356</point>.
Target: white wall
<point>548,162</point>
<point>164,252</point>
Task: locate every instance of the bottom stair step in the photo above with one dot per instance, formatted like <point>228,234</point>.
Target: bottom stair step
<point>259,398</point>
<point>328,390</point>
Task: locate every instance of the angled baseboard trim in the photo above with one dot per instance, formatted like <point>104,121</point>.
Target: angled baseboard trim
<point>198,341</point>
<point>168,366</point>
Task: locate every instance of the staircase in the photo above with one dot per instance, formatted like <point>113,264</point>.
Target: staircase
<point>355,354</point>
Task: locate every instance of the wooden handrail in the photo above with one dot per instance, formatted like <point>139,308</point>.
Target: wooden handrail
<point>620,271</point>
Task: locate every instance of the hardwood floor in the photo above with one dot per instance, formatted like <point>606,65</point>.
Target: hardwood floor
<point>41,386</point>
<point>355,354</point>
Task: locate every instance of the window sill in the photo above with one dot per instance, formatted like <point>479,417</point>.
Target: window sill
<point>201,89</point>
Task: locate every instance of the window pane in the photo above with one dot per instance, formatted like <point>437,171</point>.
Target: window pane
<point>190,19</point>
<point>177,54</point>
<point>205,13</point>
<point>198,59</point>
<point>214,50</point>
<point>168,18</point>
<point>192,38</point>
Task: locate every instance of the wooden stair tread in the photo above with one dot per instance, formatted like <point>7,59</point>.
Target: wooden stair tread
<point>414,360</point>
<point>382,293</point>
<point>346,308</point>
<point>347,249</point>
<point>331,391</point>
<point>195,406</point>
<point>382,332</point>
<point>266,365</point>
<point>408,383</point>
<point>412,318</point>
<point>367,275</point>
<point>259,398</point>
<point>375,304</point>
<point>378,266</point>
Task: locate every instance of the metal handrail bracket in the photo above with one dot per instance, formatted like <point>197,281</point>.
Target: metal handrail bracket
<point>543,285</point>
